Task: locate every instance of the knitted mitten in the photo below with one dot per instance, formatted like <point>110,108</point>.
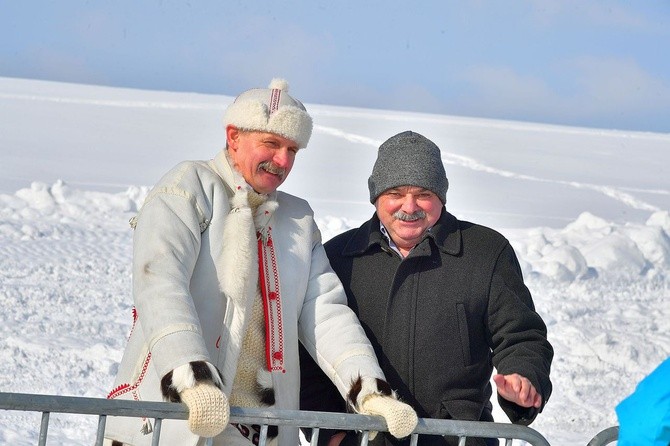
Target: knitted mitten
<point>400,418</point>
<point>208,409</point>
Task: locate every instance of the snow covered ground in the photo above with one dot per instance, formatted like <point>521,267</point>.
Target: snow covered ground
<point>586,210</point>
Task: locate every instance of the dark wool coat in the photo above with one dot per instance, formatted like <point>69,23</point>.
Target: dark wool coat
<point>440,320</point>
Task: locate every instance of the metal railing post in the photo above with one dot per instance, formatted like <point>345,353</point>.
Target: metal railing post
<point>606,436</point>
<point>44,428</point>
<point>100,434</point>
<point>315,437</point>
<point>158,423</point>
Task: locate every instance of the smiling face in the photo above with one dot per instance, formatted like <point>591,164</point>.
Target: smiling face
<point>407,212</point>
<point>263,159</point>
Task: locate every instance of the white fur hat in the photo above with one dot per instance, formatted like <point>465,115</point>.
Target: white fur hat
<point>271,110</point>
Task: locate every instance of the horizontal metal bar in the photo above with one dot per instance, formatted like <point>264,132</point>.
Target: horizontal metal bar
<point>294,418</point>
<point>91,406</point>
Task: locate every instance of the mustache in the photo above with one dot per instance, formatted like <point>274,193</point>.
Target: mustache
<point>404,216</point>
<point>268,166</point>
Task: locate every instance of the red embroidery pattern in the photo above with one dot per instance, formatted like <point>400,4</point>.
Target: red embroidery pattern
<point>275,96</point>
<point>270,291</point>
<point>135,316</point>
<point>119,390</point>
<point>126,387</point>
<point>278,355</point>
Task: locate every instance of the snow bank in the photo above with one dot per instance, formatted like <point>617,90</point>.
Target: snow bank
<point>584,249</point>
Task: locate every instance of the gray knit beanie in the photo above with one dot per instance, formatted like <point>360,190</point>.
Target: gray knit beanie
<point>408,159</point>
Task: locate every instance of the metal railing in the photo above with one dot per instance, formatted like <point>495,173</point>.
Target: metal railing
<point>47,404</point>
<point>606,436</point>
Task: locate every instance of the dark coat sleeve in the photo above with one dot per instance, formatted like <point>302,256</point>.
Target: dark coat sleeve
<point>518,334</point>
<point>317,393</point>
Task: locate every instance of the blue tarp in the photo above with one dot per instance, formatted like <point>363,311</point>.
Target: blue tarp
<point>644,417</point>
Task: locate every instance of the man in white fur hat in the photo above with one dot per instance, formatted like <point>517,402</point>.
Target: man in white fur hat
<point>229,274</point>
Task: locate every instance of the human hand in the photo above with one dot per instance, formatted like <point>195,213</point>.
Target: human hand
<point>517,389</point>
<point>336,439</point>
<point>400,418</point>
<point>208,409</point>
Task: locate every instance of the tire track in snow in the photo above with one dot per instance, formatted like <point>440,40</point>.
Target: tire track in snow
<point>609,191</point>
<point>618,194</point>
<point>351,137</point>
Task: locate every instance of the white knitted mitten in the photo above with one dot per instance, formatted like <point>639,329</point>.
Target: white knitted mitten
<point>400,418</point>
<point>208,410</point>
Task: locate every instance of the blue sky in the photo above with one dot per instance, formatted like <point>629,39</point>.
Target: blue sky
<point>603,64</point>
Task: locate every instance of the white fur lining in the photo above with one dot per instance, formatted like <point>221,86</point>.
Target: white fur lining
<point>183,377</point>
<point>289,121</point>
<point>368,388</point>
<point>264,379</point>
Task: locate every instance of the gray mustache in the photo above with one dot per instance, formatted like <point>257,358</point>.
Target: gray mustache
<point>404,216</point>
<point>272,168</point>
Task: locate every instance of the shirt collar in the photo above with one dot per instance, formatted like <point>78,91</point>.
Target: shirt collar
<point>392,244</point>
<point>446,234</point>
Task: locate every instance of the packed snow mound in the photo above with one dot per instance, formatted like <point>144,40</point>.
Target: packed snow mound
<point>54,211</point>
<point>586,248</point>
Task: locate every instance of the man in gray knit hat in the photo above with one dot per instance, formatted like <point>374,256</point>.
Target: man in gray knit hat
<point>442,300</point>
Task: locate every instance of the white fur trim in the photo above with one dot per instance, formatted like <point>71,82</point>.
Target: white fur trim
<point>264,212</point>
<point>264,379</point>
<point>240,256</point>
<point>183,378</point>
<point>239,200</point>
<point>251,111</point>
<point>368,388</point>
<point>279,84</point>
